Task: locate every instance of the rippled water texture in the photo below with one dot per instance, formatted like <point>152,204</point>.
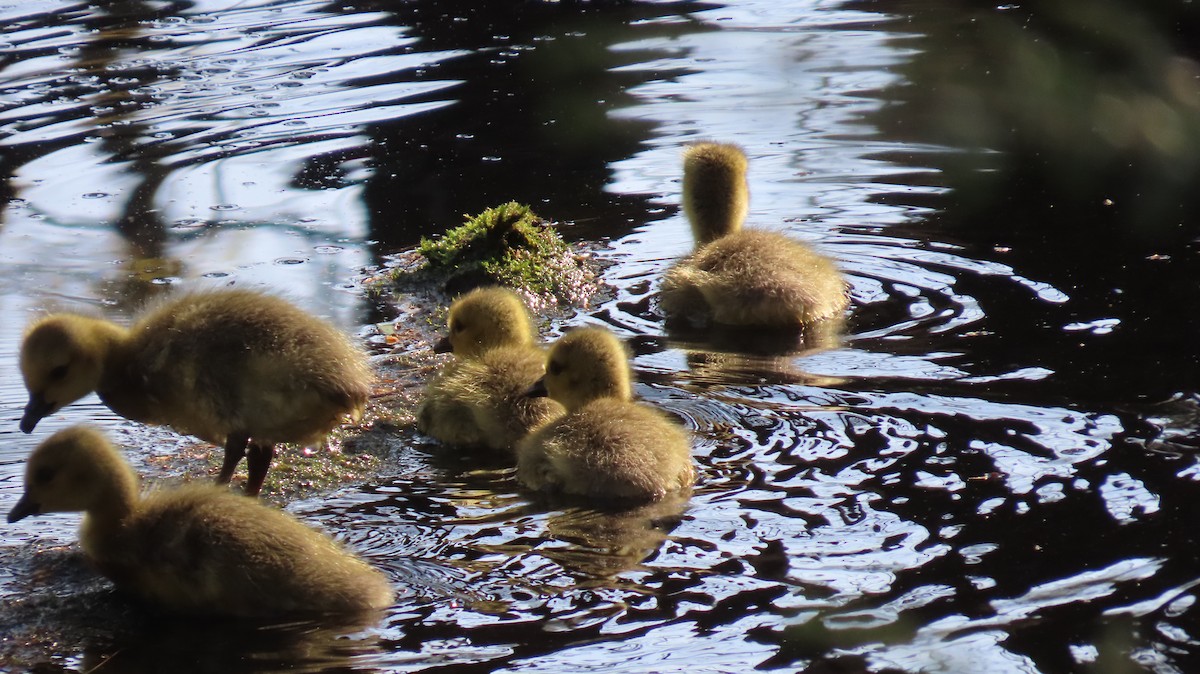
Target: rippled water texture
<point>992,468</point>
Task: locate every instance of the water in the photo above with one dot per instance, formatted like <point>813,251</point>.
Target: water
<point>994,470</point>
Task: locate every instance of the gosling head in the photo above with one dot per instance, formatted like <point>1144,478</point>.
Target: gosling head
<point>62,358</point>
<point>716,197</point>
<point>487,318</point>
<point>71,471</point>
<point>584,365</point>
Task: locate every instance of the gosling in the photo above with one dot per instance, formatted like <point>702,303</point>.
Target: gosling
<point>736,277</point>
<point>233,367</point>
<point>481,398</point>
<point>606,446</point>
<point>197,549</point>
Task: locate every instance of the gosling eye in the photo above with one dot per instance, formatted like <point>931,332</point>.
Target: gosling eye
<point>554,367</point>
<point>58,372</point>
<point>43,475</point>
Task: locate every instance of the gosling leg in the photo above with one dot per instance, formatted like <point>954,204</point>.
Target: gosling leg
<point>235,449</point>
<point>258,460</point>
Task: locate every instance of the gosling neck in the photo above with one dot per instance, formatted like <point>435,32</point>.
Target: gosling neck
<point>716,197</point>
<point>708,227</point>
<point>115,499</point>
<point>110,344</point>
<point>109,337</point>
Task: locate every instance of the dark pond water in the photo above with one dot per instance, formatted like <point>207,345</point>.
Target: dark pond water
<point>994,470</point>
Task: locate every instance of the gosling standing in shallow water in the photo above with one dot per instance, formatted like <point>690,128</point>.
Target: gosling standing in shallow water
<point>481,399</point>
<point>232,367</point>
<point>196,549</point>
<point>606,446</point>
<point>737,277</point>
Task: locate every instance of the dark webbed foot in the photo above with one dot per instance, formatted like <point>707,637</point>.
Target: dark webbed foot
<point>235,449</point>
<point>258,460</point>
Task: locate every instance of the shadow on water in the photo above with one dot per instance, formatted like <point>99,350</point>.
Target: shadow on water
<point>538,83</point>
<point>211,647</point>
<point>1073,136</point>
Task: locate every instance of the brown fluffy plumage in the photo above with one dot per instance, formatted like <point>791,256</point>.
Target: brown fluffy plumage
<point>481,398</point>
<point>196,549</point>
<point>232,367</point>
<point>742,277</point>
<point>606,446</point>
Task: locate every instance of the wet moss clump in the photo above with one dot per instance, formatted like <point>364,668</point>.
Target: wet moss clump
<point>489,237</point>
<point>507,245</point>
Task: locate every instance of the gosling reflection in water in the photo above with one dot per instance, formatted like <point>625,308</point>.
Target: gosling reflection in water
<point>605,542</point>
<point>768,342</point>
<point>748,357</point>
<point>163,643</point>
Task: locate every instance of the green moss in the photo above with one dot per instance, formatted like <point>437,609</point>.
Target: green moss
<point>490,236</point>
<point>507,245</point>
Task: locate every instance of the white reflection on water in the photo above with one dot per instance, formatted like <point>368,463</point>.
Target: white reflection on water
<point>178,154</point>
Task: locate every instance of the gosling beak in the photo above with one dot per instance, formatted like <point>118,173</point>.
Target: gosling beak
<point>35,411</point>
<point>443,346</point>
<point>538,390</point>
<point>24,508</point>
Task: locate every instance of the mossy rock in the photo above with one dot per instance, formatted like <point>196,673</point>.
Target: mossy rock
<point>489,237</point>
<point>505,245</point>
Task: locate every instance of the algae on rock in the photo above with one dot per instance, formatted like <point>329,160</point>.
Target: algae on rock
<point>506,245</point>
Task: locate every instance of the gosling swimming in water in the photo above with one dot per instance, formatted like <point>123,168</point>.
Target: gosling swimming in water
<point>196,549</point>
<point>480,399</point>
<point>606,446</point>
<point>233,367</point>
<point>737,277</point>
